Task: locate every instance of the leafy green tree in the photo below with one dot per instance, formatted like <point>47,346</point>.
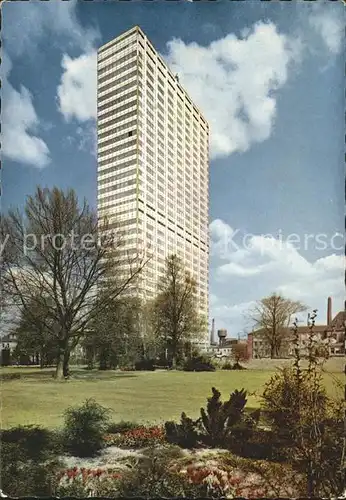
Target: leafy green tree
<point>114,337</point>
<point>153,346</point>
<point>175,313</point>
<point>33,338</point>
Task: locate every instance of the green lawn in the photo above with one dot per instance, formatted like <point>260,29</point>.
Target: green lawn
<point>145,397</point>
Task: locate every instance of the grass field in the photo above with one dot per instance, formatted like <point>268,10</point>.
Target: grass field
<point>144,397</point>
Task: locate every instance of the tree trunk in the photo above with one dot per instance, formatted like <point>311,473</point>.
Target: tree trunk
<point>103,360</point>
<point>63,358</point>
<point>66,361</point>
<point>90,357</point>
<point>59,372</point>
<point>41,358</point>
<point>174,358</point>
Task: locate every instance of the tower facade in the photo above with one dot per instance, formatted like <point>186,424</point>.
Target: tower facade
<point>153,161</point>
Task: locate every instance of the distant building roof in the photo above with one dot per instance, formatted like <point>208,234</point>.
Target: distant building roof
<point>338,323</point>
<point>9,337</point>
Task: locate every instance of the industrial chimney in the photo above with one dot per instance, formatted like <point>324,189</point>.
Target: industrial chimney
<point>212,336</point>
<point>329,311</point>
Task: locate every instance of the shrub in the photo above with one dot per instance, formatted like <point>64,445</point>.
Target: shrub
<point>22,478</point>
<point>260,444</point>
<point>33,442</point>
<point>28,461</point>
<point>234,366</point>
<point>238,366</point>
<point>186,434</point>
<point>221,424</point>
<point>286,397</point>
<point>164,364</point>
<point>84,428</point>
<point>145,364</point>
<point>221,421</point>
<point>308,428</point>
<point>199,364</point>
<point>306,422</point>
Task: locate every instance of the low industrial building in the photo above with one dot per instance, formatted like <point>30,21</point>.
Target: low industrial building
<point>331,335</point>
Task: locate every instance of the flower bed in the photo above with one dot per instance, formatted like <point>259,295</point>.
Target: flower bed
<point>88,482</point>
<point>198,473</point>
<point>140,437</point>
<point>218,481</point>
<point>228,476</point>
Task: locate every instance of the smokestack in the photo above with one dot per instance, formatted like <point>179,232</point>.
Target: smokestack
<point>329,311</point>
<point>212,336</point>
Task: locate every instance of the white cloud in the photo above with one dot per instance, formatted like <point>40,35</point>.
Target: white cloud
<point>77,90</point>
<point>219,229</point>
<point>76,96</point>
<point>234,81</point>
<point>87,138</point>
<point>329,22</point>
<point>268,265</point>
<point>29,22</point>
<point>20,124</point>
<point>221,237</point>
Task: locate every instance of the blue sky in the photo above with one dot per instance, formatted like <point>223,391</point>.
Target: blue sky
<point>268,77</point>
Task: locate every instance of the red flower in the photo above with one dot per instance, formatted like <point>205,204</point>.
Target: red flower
<point>235,480</point>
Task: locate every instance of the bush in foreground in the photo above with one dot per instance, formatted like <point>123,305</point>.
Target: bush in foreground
<point>84,429</point>
<point>307,423</point>
<point>186,434</point>
<point>28,461</point>
<point>223,421</point>
<point>220,424</point>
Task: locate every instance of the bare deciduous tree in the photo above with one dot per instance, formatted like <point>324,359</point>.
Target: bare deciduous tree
<point>58,255</point>
<point>271,317</point>
<point>175,309</point>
